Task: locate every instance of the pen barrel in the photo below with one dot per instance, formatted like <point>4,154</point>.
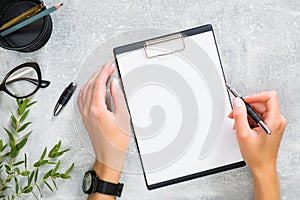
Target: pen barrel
<point>29,13</point>
<point>252,113</point>
<point>256,118</point>
<point>263,126</point>
<point>66,96</point>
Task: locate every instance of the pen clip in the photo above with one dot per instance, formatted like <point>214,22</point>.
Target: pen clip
<point>34,11</point>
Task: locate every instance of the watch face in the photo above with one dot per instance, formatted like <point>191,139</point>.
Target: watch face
<point>87,183</point>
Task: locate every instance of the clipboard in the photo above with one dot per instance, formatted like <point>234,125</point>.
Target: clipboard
<point>175,92</point>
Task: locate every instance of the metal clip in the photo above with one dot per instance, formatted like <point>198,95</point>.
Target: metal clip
<point>162,40</point>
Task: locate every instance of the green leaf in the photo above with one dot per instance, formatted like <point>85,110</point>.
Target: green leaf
<point>44,154</point>
<point>19,101</point>
<point>8,179</point>
<point>56,175</point>
<point>13,121</point>
<point>26,101</point>
<point>5,155</point>
<point>25,173</point>
<point>31,103</point>
<point>1,144</point>
<point>24,126</point>
<point>65,150</point>
<point>40,163</point>
<point>30,178</point>
<point>36,175</point>
<point>64,176</point>
<point>70,169</point>
<point>12,140</point>
<point>17,185</point>
<point>57,154</point>
<point>22,106</point>
<point>18,163</point>
<point>54,149</point>
<point>59,144</point>
<point>25,136</point>
<point>14,152</point>
<point>39,189</point>
<point>4,188</point>
<point>2,149</point>
<point>54,183</point>
<point>55,168</point>
<point>24,116</point>
<point>8,168</point>
<point>17,170</point>
<point>47,174</point>
<point>27,189</point>
<point>21,144</point>
<point>34,195</point>
<point>25,160</point>
<point>50,188</point>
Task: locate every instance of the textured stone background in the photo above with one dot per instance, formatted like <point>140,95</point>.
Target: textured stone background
<point>259,47</point>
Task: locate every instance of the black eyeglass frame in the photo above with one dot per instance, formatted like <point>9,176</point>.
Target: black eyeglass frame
<point>38,82</point>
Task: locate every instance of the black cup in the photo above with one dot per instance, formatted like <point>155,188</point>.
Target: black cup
<point>29,38</point>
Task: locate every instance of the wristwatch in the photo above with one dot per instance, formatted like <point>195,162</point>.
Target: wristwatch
<point>91,184</point>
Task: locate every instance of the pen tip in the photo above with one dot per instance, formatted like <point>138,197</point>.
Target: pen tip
<point>228,86</point>
<point>57,109</point>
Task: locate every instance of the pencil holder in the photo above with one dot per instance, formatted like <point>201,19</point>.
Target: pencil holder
<point>29,38</point>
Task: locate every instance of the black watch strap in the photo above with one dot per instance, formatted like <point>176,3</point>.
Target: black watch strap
<point>104,187</point>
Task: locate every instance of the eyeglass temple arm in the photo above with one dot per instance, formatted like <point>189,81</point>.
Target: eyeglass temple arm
<point>27,71</point>
<point>18,76</point>
<point>44,83</point>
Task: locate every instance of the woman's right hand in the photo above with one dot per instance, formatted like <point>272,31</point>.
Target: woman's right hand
<point>258,149</point>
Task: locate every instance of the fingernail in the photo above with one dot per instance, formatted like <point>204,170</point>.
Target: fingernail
<point>237,102</point>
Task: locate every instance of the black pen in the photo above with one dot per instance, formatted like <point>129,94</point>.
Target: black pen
<point>250,111</point>
<point>64,98</point>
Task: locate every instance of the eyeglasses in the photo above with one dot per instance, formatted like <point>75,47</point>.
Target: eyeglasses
<point>23,81</point>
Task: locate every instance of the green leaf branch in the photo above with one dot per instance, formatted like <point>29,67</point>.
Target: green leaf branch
<point>17,177</point>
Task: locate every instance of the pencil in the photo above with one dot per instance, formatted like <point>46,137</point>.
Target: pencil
<point>30,20</point>
<point>27,14</point>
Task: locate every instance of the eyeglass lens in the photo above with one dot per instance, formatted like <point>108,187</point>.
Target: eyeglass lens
<point>22,82</point>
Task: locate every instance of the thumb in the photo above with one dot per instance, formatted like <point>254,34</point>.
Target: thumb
<point>121,114</point>
<point>117,96</point>
<point>240,117</point>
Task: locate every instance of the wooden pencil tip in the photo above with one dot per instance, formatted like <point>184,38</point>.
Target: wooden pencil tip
<point>57,6</point>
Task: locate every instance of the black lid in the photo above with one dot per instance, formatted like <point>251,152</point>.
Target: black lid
<point>29,38</point>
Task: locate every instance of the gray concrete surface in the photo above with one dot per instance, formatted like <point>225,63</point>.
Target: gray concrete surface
<point>259,47</point>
